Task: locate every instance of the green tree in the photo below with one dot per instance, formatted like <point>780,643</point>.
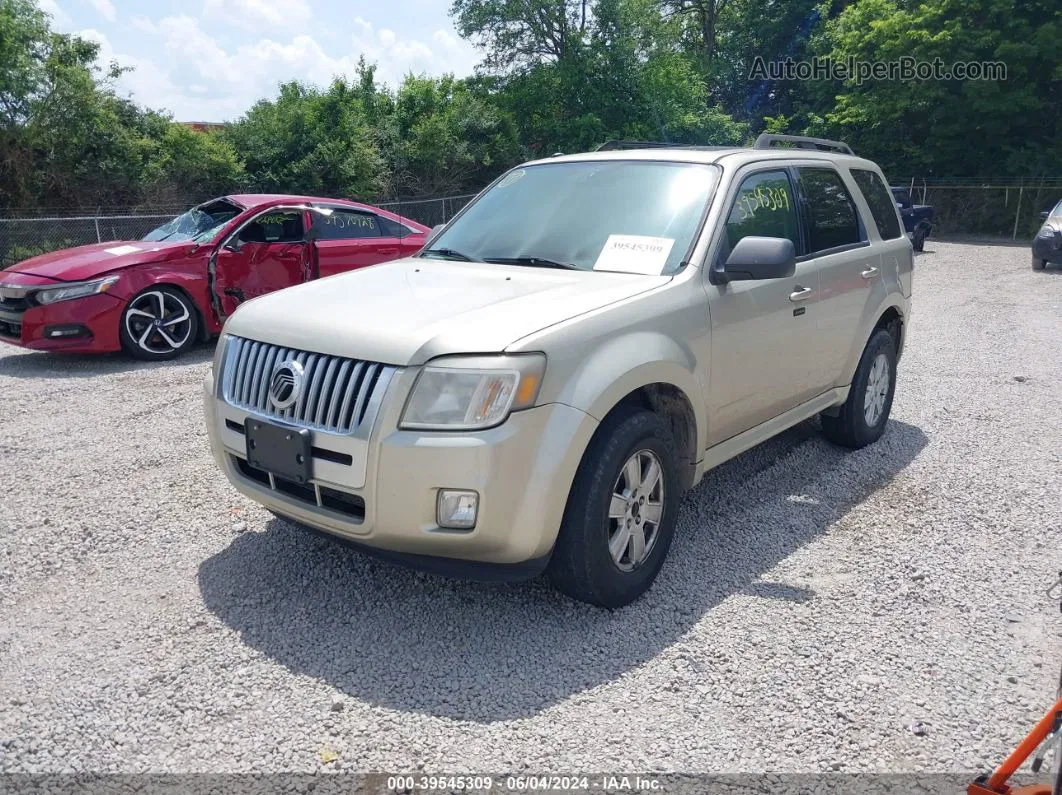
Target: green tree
<point>311,141</point>
<point>948,127</point>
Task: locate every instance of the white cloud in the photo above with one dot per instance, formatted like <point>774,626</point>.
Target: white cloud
<point>60,18</point>
<point>106,9</point>
<point>191,74</point>
<point>260,14</point>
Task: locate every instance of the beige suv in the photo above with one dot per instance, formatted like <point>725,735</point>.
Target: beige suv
<point>537,387</point>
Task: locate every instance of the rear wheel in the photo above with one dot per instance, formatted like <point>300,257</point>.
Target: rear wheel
<point>862,418</point>
<point>159,323</point>
<point>621,512</point>
<point>918,240</point>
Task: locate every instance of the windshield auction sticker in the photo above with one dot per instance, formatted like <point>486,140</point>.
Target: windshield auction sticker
<point>634,254</point>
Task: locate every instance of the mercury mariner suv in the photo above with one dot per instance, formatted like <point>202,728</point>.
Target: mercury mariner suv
<point>534,390</point>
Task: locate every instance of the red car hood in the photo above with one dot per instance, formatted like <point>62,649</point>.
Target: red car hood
<point>87,262</point>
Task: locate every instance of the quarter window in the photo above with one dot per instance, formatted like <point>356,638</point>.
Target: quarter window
<point>346,225</point>
<point>764,207</point>
<point>831,215</point>
<point>880,201</point>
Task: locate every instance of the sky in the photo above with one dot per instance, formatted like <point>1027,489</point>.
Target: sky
<point>210,60</point>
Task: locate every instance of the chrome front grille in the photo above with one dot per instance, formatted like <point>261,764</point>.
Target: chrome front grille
<point>338,395</point>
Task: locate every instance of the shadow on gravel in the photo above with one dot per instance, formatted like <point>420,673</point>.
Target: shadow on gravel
<point>42,364</point>
<point>484,653</point>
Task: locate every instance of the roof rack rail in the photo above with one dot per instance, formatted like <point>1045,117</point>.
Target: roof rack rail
<point>768,140</point>
<point>612,145</point>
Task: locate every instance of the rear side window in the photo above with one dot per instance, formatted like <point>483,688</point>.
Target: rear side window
<point>882,207</point>
<point>389,228</point>
<point>764,207</point>
<point>831,215</point>
<point>347,225</point>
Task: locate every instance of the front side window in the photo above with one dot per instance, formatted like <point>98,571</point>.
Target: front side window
<point>882,207</point>
<point>612,215</point>
<point>275,226</point>
<point>347,225</point>
<point>831,215</point>
<point>764,207</point>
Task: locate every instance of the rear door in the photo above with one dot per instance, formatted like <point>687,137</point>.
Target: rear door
<point>348,239</point>
<point>408,241</point>
<point>268,252</point>
<point>839,251</point>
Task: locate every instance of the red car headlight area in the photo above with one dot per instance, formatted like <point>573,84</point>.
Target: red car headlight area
<point>83,325</point>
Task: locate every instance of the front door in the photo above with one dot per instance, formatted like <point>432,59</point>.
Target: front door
<point>763,333</point>
<point>268,253</point>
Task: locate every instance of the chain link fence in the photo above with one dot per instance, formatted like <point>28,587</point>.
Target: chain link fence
<point>1000,209</point>
<point>22,238</point>
<point>961,207</point>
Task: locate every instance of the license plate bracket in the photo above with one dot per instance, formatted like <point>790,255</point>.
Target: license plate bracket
<point>282,451</point>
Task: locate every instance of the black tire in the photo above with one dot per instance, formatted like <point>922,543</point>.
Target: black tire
<point>918,240</point>
<point>1038,264</point>
<point>850,427</point>
<point>581,565</point>
<point>157,346</point>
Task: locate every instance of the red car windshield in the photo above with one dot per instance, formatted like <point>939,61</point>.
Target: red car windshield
<point>201,223</point>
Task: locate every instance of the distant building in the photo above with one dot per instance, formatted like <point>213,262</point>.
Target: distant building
<point>204,126</point>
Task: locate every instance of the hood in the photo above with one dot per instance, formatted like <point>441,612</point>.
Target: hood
<point>88,262</point>
<point>411,310</point>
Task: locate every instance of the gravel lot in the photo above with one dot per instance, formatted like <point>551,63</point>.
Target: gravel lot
<point>816,603</point>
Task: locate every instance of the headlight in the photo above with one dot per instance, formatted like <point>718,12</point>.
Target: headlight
<point>473,392</point>
<point>1046,231</point>
<point>79,290</point>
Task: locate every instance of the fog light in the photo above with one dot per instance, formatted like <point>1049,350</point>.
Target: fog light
<point>456,510</point>
<point>59,332</point>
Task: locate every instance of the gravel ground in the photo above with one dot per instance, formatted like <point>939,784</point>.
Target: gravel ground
<point>817,603</point>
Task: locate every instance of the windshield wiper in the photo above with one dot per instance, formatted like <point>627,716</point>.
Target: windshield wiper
<point>449,252</point>
<point>534,262</point>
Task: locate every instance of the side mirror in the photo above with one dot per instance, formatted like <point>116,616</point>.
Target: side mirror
<point>1045,215</point>
<point>232,244</point>
<point>755,258</point>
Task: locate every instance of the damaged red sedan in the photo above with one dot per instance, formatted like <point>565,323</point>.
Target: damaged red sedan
<point>154,298</point>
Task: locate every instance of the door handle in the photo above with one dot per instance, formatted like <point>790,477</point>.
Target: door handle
<point>388,250</point>
<point>801,294</point>
<point>869,273</point>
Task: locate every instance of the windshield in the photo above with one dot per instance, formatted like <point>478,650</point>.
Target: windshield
<point>1057,212</point>
<point>632,216</point>
<point>201,224</point>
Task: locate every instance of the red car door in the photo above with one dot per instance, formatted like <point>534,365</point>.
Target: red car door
<point>408,241</point>
<point>348,239</point>
<point>268,253</point>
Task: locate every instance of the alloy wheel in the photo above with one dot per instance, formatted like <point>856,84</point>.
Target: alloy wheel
<point>158,322</point>
<point>635,510</point>
<point>877,390</point>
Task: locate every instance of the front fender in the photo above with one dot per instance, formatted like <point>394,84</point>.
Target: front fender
<point>628,362</point>
<point>141,277</point>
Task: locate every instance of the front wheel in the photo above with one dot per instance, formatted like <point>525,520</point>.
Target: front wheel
<point>158,323</point>
<point>1038,264</point>
<point>861,420</point>
<point>621,512</point>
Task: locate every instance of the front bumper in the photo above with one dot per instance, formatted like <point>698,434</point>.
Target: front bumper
<point>1048,248</point>
<point>96,319</point>
<point>385,498</point>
